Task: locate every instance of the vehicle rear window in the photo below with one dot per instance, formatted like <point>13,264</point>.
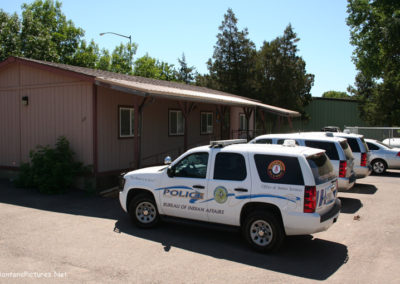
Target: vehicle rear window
<point>372,147</point>
<point>347,151</point>
<point>281,141</point>
<point>279,169</point>
<point>264,141</point>
<point>329,147</point>
<point>230,166</point>
<point>321,168</point>
<point>353,145</point>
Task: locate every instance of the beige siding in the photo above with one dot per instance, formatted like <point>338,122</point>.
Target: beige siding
<point>9,128</point>
<point>235,121</point>
<point>57,107</point>
<point>115,154</point>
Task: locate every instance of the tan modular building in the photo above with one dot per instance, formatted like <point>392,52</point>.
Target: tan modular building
<point>114,122</point>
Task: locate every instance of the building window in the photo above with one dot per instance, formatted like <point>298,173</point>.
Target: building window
<point>206,124</point>
<point>176,122</point>
<point>126,121</point>
<point>242,122</point>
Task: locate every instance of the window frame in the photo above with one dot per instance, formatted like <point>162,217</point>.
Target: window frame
<point>201,122</point>
<point>131,120</point>
<point>169,123</point>
<point>245,122</point>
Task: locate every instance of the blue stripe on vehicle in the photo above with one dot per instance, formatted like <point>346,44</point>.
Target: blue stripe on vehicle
<point>211,199</point>
<point>251,196</point>
<point>175,187</point>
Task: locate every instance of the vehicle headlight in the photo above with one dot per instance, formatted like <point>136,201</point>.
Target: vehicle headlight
<point>121,182</point>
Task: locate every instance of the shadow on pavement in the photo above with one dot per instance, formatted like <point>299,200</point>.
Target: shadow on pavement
<point>390,173</point>
<point>350,205</point>
<point>302,256</point>
<point>362,188</point>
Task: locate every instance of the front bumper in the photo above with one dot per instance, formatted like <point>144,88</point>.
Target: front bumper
<point>309,223</point>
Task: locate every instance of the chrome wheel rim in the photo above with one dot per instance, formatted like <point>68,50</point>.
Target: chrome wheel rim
<point>261,233</point>
<point>146,212</point>
<point>379,167</point>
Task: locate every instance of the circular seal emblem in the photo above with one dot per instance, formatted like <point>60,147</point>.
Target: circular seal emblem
<point>220,194</point>
<point>276,169</point>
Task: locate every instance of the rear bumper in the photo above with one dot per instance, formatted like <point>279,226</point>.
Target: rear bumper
<point>346,183</point>
<point>310,223</point>
<point>362,172</point>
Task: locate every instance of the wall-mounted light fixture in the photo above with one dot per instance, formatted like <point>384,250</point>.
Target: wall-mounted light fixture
<point>25,100</point>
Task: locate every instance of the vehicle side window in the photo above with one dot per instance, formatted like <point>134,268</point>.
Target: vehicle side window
<point>329,147</point>
<point>264,141</point>
<point>230,166</point>
<point>192,166</point>
<point>355,148</point>
<point>281,141</point>
<point>372,147</point>
<point>279,169</point>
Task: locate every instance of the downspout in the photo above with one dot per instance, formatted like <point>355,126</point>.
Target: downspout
<point>95,144</point>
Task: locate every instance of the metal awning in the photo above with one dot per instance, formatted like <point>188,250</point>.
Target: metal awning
<point>145,89</point>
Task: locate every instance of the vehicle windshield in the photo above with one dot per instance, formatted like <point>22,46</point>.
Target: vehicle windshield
<point>321,168</point>
<point>347,151</point>
<point>383,144</point>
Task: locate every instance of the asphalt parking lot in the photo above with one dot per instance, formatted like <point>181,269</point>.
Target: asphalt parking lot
<point>76,237</point>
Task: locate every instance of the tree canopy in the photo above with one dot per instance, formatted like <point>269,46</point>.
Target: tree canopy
<point>375,33</point>
<point>336,95</point>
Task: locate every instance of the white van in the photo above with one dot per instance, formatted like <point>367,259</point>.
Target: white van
<point>337,149</point>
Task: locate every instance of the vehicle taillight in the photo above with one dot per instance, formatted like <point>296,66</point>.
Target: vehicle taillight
<point>363,159</point>
<point>342,169</point>
<point>398,154</point>
<point>310,199</point>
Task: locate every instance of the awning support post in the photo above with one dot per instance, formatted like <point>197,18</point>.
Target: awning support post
<point>186,108</point>
<point>221,111</point>
<point>138,105</point>
<point>247,112</point>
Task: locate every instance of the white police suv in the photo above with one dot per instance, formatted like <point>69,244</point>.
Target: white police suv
<point>269,191</point>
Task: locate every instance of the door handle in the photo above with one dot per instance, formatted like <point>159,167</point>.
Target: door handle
<point>199,186</point>
<point>241,189</point>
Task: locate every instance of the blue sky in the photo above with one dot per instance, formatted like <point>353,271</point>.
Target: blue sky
<point>166,29</point>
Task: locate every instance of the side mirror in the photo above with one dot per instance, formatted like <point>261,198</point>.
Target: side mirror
<point>167,160</point>
<point>170,172</point>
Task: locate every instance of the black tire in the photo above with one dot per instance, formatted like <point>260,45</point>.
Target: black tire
<point>379,166</point>
<point>263,231</point>
<point>143,211</point>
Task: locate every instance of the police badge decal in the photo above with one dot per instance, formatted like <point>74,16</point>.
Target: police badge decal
<point>276,169</point>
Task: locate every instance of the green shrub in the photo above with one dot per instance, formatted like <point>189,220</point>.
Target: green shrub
<point>51,170</point>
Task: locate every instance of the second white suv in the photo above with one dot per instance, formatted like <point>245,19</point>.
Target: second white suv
<point>336,149</point>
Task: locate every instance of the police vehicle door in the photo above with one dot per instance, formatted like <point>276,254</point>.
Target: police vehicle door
<point>228,187</point>
<point>185,187</point>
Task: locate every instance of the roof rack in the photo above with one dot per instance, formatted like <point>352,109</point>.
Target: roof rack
<point>223,143</point>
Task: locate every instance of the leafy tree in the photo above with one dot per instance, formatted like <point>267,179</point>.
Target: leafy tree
<point>336,95</point>
<point>281,74</point>
<point>185,73</point>
<point>46,34</point>
<point>233,61</point>
<point>86,55</point>
<point>375,33</point>
<point>121,58</point>
<point>150,67</point>
<point>104,62</point>
<point>10,43</point>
